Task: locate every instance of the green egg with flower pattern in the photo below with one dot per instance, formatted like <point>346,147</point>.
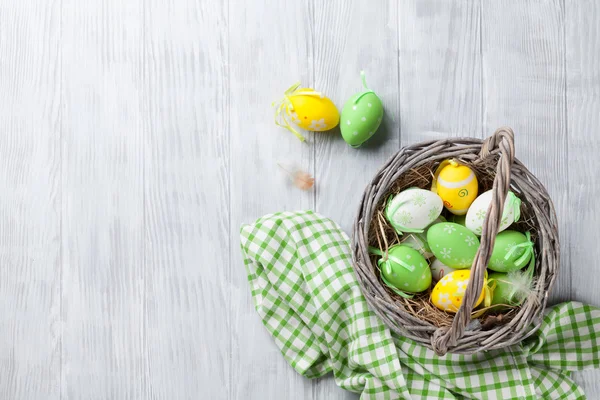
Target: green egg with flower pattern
<point>512,251</point>
<point>453,244</point>
<point>361,117</point>
<point>396,270</point>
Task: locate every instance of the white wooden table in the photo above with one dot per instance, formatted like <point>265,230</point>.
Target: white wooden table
<point>137,136</point>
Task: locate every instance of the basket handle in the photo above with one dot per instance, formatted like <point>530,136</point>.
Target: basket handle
<point>504,139</point>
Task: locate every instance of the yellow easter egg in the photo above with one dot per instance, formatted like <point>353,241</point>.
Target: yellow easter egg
<point>448,293</point>
<point>457,186</point>
<point>313,111</point>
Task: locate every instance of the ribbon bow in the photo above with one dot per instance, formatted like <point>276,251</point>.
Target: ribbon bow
<point>528,246</point>
<point>515,203</point>
<point>284,108</point>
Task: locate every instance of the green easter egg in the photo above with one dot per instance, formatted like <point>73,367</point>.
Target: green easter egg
<point>406,270</point>
<point>361,116</point>
<point>512,251</point>
<point>506,292</point>
<point>453,244</point>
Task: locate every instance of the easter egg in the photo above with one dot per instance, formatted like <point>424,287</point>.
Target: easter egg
<point>313,112</point>
<point>478,211</point>
<point>405,269</point>
<point>448,293</point>
<point>439,270</point>
<point>361,117</point>
<point>412,210</point>
<point>418,241</point>
<point>457,185</point>
<point>510,289</point>
<point>453,244</point>
<point>512,251</point>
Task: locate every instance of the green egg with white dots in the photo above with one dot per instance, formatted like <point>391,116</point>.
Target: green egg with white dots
<point>453,244</point>
<point>361,116</point>
<point>405,269</point>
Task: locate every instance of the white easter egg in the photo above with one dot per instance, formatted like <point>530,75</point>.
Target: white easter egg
<point>439,270</point>
<point>413,210</point>
<point>478,211</point>
<point>418,242</point>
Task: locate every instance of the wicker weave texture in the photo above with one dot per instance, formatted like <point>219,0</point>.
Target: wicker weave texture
<point>496,155</point>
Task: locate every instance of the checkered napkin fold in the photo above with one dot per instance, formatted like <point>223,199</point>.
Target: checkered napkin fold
<point>305,291</point>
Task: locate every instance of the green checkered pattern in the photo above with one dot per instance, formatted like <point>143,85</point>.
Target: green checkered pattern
<point>304,289</point>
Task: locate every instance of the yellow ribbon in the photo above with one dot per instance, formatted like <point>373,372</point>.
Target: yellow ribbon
<point>489,285</point>
<point>488,290</point>
<point>284,107</point>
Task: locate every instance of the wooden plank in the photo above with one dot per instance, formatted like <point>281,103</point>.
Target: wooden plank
<point>30,200</point>
<point>582,42</point>
<point>350,36</point>
<point>187,199</point>
<point>583,108</point>
<point>524,87</point>
<point>588,380</point>
<point>270,49</point>
<point>440,70</point>
<point>102,223</point>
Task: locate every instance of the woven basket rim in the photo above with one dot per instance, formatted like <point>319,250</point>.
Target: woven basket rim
<point>472,340</point>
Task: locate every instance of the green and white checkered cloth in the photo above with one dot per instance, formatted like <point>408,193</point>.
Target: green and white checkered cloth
<point>305,291</point>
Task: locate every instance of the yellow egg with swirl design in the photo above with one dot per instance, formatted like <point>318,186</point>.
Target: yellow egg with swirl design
<point>457,185</point>
<point>307,109</point>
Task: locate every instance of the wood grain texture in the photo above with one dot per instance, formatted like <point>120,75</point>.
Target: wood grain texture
<point>187,200</point>
<point>524,88</point>
<point>440,70</point>
<point>30,348</point>
<point>583,110</point>
<point>102,190</point>
<point>582,42</point>
<point>350,36</point>
<point>137,136</point>
<point>270,49</point>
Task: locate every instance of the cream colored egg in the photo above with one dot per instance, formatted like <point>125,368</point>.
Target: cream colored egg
<point>478,211</point>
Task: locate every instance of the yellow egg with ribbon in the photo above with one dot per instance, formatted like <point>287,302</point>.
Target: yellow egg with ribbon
<point>307,109</point>
<point>457,186</point>
<point>448,293</point>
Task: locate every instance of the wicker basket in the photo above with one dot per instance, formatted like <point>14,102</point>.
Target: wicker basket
<point>493,159</point>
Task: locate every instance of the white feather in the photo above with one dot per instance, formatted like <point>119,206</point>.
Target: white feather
<point>522,285</point>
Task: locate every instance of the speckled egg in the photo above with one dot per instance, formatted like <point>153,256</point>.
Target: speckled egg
<point>361,116</point>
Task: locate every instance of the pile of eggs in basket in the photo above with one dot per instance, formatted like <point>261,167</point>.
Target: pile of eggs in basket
<point>439,251</point>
